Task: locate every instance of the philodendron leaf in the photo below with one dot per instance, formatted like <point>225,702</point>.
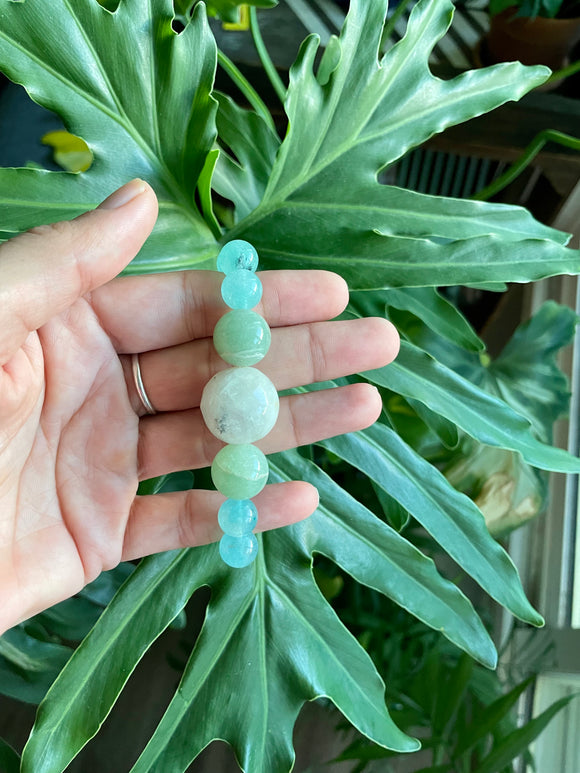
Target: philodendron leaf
<point>438,314</point>
<point>449,516</point>
<point>244,179</point>
<point>83,694</point>
<point>526,374</point>
<point>324,207</point>
<point>488,419</point>
<point>137,93</point>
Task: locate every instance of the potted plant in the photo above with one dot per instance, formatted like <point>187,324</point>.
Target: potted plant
<point>533,31</point>
<point>141,94</point>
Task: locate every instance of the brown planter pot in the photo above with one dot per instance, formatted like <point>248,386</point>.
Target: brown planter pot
<point>531,41</point>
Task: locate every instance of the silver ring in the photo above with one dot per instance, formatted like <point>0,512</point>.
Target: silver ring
<point>139,386</point>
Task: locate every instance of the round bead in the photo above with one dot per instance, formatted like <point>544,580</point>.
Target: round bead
<point>238,552</point>
<point>235,255</point>
<point>238,517</point>
<point>239,405</point>
<point>241,289</point>
<point>242,337</point>
<point>239,472</point>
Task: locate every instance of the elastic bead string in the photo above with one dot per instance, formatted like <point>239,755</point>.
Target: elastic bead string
<point>240,404</point>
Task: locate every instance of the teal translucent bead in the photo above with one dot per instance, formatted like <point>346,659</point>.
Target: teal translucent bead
<point>239,472</point>
<point>241,289</point>
<point>238,552</point>
<point>239,405</point>
<point>242,337</point>
<point>238,517</point>
<point>237,254</point>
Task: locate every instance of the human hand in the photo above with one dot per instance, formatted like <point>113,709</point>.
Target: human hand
<point>74,442</point>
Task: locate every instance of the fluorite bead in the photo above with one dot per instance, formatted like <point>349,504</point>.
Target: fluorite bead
<point>241,289</point>
<point>237,254</point>
<point>238,551</point>
<point>239,471</point>
<point>239,405</point>
<point>242,337</point>
<point>238,517</point>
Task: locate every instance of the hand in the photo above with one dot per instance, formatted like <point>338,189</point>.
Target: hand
<point>74,442</point>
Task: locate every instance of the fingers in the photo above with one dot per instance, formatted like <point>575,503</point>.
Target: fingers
<point>46,269</point>
<point>187,518</point>
<point>174,378</point>
<point>181,441</point>
<point>142,313</point>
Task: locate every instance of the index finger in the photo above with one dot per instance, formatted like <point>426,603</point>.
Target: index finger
<point>141,313</point>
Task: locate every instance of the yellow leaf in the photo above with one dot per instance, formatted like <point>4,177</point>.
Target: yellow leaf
<point>243,22</point>
<point>70,151</point>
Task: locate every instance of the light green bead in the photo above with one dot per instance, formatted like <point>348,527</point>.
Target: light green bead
<point>239,472</point>
<point>242,337</point>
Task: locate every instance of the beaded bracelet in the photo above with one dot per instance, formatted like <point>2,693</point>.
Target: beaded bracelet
<point>240,405</point>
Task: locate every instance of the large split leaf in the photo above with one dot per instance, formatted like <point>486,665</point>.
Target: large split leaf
<point>324,206</point>
<point>449,516</point>
<point>137,93</point>
<point>488,419</point>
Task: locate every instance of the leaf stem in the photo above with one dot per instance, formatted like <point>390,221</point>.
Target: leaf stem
<point>532,150</point>
<point>246,88</point>
<point>390,24</point>
<point>565,72</point>
<point>267,62</point>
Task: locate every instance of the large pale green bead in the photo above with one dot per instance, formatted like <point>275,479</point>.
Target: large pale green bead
<point>239,405</point>
<point>239,472</point>
<point>242,337</point>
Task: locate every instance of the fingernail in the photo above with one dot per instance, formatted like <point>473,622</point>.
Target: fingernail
<point>124,195</point>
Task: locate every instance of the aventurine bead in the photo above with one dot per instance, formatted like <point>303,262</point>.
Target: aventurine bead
<point>239,472</point>
<point>241,289</point>
<point>242,337</point>
<point>239,405</point>
<point>237,517</point>
<point>237,254</point>
<point>238,551</point>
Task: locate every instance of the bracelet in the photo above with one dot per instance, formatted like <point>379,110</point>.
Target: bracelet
<point>240,405</point>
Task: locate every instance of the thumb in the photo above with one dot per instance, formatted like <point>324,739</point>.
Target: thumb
<point>46,269</point>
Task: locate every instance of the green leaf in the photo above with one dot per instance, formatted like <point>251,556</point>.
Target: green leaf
<point>29,665</point>
<point>449,516</point>
<point>450,693</point>
<point>489,718</point>
<point>324,207</point>
<point>307,653</point>
<point>526,373</point>
<point>82,696</point>
<point>9,759</point>
<point>438,314</point>
<point>137,93</point>
<point>243,180</point>
<point>517,742</point>
<point>417,375</point>
<point>380,558</point>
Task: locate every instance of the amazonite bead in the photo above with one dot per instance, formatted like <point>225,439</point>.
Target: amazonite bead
<point>238,551</point>
<point>241,289</point>
<point>239,472</point>
<point>237,254</point>
<point>237,517</point>
<point>242,337</point>
<point>239,405</point>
